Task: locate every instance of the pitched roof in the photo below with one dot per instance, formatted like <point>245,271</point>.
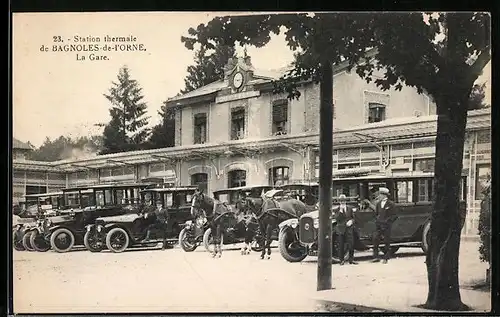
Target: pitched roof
<point>16,144</point>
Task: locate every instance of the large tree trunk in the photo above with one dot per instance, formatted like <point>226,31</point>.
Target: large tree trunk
<point>442,257</point>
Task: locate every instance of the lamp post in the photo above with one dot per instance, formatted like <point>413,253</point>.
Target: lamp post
<point>324,280</point>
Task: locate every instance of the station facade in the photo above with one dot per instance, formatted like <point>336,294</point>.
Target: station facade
<point>236,132</point>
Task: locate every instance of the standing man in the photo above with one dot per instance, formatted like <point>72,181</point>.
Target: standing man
<point>344,216</point>
<point>385,215</point>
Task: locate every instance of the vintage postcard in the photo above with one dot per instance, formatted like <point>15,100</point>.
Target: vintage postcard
<point>252,162</point>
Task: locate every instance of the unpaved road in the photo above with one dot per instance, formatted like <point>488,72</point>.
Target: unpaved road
<point>175,281</point>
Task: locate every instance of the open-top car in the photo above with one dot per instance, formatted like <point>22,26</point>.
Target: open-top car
<point>413,195</point>
<point>159,219</point>
<point>39,206</point>
<point>240,219</point>
<point>82,205</point>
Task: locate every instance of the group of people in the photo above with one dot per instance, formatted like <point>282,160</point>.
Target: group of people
<point>345,227</point>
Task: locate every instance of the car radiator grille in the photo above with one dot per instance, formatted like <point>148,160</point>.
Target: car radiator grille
<point>307,231</point>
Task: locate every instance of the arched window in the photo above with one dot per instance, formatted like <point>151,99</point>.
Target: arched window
<point>279,176</point>
<point>200,179</point>
<point>237,178</point>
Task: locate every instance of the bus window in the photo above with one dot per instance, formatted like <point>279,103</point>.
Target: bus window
<point>120,196</point>
<point>99,195</point>
<point>169,199</point>
<point>404,191</point>
<point>425,190</point>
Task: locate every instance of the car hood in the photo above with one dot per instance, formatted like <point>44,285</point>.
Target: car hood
<point>120,218</point>
<point>313,214</point>
<point>60,218</point>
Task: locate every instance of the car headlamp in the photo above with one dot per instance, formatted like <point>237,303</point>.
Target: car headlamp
<point>201,221</point>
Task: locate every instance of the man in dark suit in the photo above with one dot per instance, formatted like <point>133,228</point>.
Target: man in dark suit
<point>344,216</point>
<point>385,215</point>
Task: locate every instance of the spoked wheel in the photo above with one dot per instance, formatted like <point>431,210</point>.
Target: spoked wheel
<point>17,241</point>
<point>290,248</point>
<point>186,241</point>
<point>27,241</point>
<point>208,240</point>
<point>38,242</point>
<point>62,240</point>
<point>257,245</point>
<point>117,240</point>
<point>94,241</point>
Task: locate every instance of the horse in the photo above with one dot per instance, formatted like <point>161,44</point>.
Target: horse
<point>214,211</point>
<point>270,212</point>
<point>244,214</point>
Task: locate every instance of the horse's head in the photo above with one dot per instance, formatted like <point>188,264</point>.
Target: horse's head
<point>201,204</point>
<point>253,204</point>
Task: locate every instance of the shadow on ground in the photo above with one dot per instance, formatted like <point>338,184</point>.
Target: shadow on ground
<point>323,306</point>
<point>369,257</point>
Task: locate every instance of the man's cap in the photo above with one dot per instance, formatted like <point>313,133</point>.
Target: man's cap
<point>383,190</point>
<point>342,197</point>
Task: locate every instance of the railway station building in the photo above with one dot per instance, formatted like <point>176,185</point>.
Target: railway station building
<point>236,132</point>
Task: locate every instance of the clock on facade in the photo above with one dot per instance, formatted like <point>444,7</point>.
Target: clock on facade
<point>238,80</point>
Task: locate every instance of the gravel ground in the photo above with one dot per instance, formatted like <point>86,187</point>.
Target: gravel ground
<point>151,280</point>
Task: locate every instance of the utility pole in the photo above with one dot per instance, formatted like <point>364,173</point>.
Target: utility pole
<point>325,177</point>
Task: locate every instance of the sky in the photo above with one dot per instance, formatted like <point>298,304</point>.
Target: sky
<point>55,94</point>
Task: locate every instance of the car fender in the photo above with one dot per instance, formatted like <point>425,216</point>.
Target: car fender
<point>109,226</point>
<point>289,223</point>
<point>54,228</point>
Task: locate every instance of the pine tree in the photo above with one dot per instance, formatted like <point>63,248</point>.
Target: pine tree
<point>127,129</point>
<point>208,67</point>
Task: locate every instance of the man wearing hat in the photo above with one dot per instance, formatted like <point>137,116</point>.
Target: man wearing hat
<point>385,215</point>
<point>344,216</point>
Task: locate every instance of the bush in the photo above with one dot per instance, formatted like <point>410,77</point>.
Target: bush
<point>485,226</point>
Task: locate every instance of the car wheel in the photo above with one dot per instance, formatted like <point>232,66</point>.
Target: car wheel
<point>286,239</point>
<point>117,240</point>
<point>257,246</point>
<point>38,242</point>
<point>426,237</point>
<point>62,240</point>
<point>184,242</point>
<point>93,241</point>
<point>208,240</point>
<point>27,241</point>
<point>17,242</point>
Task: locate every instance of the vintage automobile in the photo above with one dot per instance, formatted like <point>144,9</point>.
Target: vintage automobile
<point>49,205</point>
<point>24,217</point>
<point>82,205</point>
<point>236,227</point>
<point>305,192</point>
<point>123,231</point>
<point>411,193</point>
<point>38,207</point>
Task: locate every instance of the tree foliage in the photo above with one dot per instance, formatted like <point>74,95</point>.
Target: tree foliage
<point>163,134</point>
<point>440,53</point>
<point>67,148</point>
<point>485,225</point>
<point>208,67</point>
<point>477,97</point>
<point>126,130</point>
